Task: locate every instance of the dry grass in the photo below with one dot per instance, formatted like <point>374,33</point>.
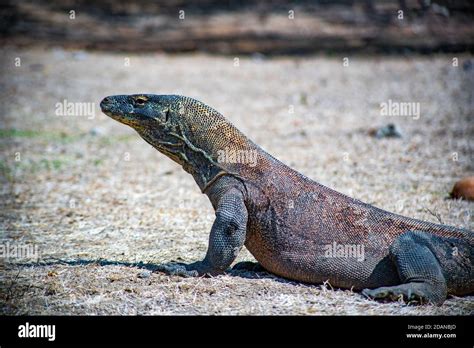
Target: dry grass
<point>90,189</point>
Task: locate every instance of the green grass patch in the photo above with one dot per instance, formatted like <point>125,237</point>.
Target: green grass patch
<point>63,137</point>
<point>14,133</point>
<point>6,171</point>
<point>34,134</point>
<point>98,162</point>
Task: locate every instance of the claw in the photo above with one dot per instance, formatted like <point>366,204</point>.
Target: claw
<point>366,293</point>
<point>406,295</point>
<point>176,269</point>
<point>375,293</point>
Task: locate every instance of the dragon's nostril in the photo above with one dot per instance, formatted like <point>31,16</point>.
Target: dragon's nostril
<point>105,103</point>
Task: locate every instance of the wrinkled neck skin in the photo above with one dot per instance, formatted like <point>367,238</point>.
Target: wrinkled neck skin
<point>195,161</point>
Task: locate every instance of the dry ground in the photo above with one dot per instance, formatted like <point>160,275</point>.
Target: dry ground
<point>100,204</point>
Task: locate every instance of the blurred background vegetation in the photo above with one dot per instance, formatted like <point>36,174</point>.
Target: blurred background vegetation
<point>243,26</point>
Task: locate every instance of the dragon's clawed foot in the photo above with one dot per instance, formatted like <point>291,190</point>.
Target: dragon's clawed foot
<point>178,269</point>
<point>405,292</point>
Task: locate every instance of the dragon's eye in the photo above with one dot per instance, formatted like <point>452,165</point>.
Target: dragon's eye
<point>140,101</point>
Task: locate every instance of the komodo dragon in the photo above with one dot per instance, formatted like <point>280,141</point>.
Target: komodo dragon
<point>289,222</point>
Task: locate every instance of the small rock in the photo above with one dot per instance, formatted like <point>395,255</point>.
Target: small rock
<point>79,55</point>
<point>144,274</point>
<point>96,131</point>
<point>468,65</point>
<point>258,57</point>
<point>440,10</point>
<point>388,131</point>
<point>464,189</point>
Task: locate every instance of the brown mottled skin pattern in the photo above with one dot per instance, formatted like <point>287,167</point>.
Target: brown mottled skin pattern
<point>287,221</point>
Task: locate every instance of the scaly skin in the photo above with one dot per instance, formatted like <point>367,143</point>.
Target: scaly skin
<point>287,221</point>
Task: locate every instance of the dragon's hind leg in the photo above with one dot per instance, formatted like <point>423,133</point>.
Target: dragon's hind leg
<point>419,270</point>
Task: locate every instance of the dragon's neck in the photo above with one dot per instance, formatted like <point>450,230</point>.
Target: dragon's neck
<point>201,163</point>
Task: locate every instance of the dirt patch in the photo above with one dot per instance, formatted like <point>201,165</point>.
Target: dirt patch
<point>84,188</point>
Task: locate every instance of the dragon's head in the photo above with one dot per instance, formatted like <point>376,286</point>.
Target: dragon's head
<point>141,110</point>
<point>184,129</point>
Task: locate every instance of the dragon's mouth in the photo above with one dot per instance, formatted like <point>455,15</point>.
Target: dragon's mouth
<point>105,104</point>
<point>119,118</point>
<point>108,109</point>
<point>108,113</point>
